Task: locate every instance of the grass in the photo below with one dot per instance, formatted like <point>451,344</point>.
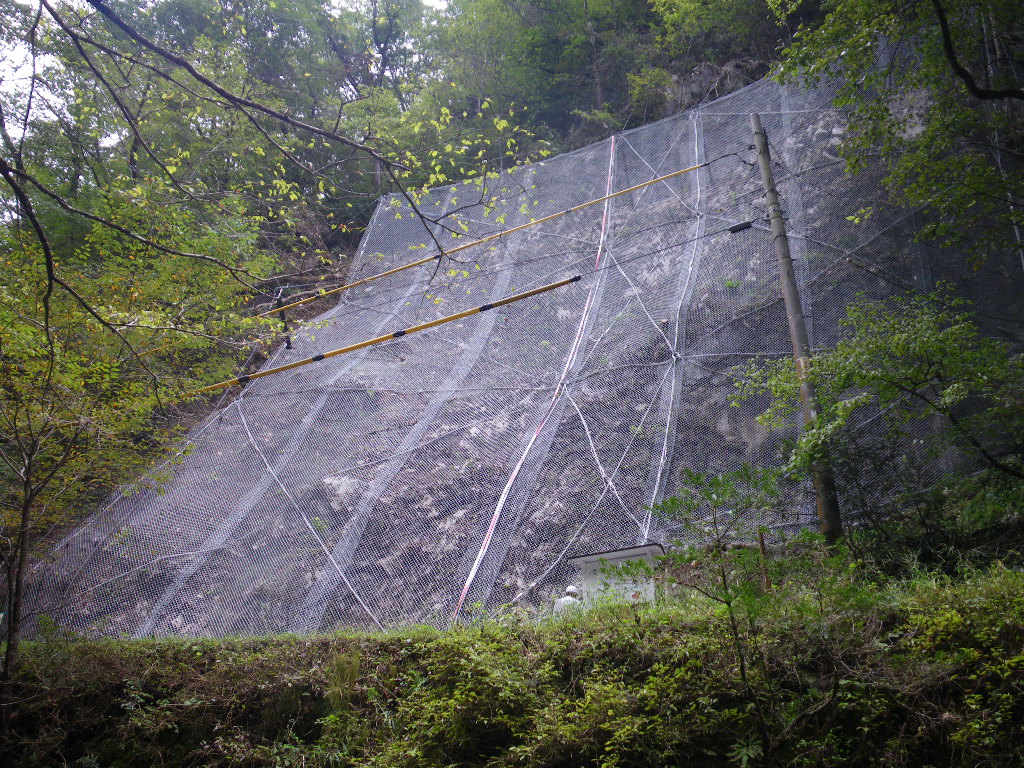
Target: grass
<point>832,665</point>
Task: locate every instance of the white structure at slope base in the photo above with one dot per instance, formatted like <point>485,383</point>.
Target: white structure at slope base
<point>599,581</point>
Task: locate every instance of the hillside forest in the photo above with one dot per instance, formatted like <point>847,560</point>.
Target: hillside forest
<point>173,169</point>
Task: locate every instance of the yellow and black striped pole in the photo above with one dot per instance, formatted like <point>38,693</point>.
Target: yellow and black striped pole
<point>388,337</point>
<point>487,239</point>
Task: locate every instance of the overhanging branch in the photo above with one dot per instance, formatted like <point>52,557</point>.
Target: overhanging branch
<point>976,90</point>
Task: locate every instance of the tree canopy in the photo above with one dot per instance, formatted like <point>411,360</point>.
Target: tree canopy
<point>934,88</point>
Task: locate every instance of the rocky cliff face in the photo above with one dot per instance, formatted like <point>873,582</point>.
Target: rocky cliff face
<point>456,469</point>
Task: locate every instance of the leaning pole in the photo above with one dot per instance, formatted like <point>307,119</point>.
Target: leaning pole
<point>831,525</point>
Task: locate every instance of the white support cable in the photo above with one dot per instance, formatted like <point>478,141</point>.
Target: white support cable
<point>617,263</point>
<point>600,498</point>
<point>470,355</point>
<point>556,396</point>
<point>678,325</point>
<point>636,297</point>
<point>645,530</point>
<point>600,467</point>
<point>307,521</point>
<point>665,182</point>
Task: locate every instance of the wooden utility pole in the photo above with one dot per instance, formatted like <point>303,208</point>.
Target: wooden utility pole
<point>821,471</point>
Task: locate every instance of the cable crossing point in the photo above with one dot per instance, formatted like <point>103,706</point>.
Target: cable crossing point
<point>487,239</point>
<point>388,337</point>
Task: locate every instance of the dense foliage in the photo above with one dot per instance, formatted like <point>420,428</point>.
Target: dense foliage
<point>907,359</point>
<point>915,408</point>
<point>838,668</point>
<point>935,93</point>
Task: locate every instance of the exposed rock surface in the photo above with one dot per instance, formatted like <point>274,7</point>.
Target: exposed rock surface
<point>459,467</point>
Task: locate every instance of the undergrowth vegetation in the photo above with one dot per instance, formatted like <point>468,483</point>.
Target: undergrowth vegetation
<point>903,646</point>
<point>802,656</point>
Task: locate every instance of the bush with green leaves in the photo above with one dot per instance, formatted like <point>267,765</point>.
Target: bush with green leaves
<point>917,410</point>
<point>934,92</point>
<point>843,668</point>
<point>908,359</point>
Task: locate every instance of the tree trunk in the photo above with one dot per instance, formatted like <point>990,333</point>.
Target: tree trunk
<point>14,603</point>
<point>133,160</point>
<point>595,68</point>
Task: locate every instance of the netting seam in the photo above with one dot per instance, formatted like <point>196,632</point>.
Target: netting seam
<point>667,185</point>
<point>315,602</point>
<point>629,447</point>
<point>255,494</point>
<point>556,396</point>
<point>693,265</point>
<point>600,467</point>
<point>307,521</point>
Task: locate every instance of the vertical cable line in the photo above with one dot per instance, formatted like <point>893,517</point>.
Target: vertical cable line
<point>556,395</point>
<point>668,186</point>
<point>608,481</point>
<point>596,344</point>
<point>673,387</point>
<point>604,491</point>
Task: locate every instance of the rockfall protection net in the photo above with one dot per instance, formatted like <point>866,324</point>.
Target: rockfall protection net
<point>458,468</point>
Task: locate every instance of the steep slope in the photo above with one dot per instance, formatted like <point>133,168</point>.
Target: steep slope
<point>459,467</point>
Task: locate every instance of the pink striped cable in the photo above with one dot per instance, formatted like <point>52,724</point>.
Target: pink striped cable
<point>555,397</point>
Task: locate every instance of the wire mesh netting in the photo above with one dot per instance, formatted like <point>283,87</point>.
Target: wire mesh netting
<point>458,468</point>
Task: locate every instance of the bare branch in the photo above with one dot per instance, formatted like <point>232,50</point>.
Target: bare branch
<point>217,88</point>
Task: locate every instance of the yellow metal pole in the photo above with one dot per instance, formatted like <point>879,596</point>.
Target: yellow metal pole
<point>487,239</point>
<point>379,339</point>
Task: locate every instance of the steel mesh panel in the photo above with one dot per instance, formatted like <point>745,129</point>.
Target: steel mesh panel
<point>461,466</point>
